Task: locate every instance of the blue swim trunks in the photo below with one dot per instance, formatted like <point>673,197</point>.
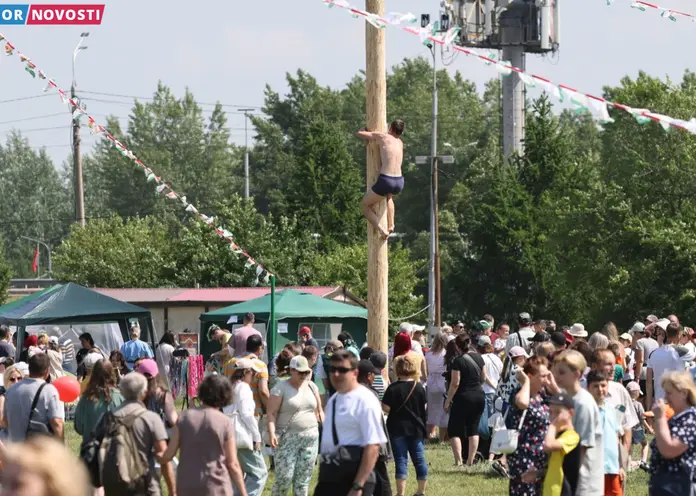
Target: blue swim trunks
<point>388,185</point>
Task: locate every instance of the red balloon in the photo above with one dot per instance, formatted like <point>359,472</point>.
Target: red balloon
<point>68,388</point>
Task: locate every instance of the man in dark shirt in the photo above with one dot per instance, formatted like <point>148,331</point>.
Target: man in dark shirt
<point>6,349</point>
<point>306,339</point>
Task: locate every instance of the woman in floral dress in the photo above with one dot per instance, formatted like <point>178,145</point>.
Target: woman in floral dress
<point>527,464</point>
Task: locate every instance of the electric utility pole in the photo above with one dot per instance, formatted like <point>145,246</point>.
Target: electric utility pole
<point>434,298</point>
<point>246,152</point>
<point>77,155</point>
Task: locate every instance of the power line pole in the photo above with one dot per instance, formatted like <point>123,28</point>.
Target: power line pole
<point>77,155</point>
<point>246,152</point>
<point>377,253</point>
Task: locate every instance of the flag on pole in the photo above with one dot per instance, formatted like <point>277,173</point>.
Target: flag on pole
<point>35,263</point>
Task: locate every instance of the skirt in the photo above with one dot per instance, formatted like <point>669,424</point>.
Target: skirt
<point>465,414</point>
<point>436,409</point>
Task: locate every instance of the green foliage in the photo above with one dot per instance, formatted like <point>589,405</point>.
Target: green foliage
<point>5,275</point>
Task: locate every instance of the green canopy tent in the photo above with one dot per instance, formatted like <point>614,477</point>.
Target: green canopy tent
<point>291,306</point>
<point>72,304</point>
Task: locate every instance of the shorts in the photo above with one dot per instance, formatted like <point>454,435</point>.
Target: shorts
<point>388,185</point>
<point>638,436</point>
<point>612,485</point>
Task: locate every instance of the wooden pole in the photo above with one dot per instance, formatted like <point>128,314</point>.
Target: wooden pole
<point>377,255</point>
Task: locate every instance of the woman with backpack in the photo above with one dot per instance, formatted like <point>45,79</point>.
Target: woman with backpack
<point>101,396</point>
<point>205,440</point>
<point>158,398</point>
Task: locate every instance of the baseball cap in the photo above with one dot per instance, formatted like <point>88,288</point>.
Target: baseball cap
<point>484,340</point>
<point>638,328</point>
<point>367,367</point>
<point>335,343</point>
<point>626,336</point>
<point>416,327</point>
<point>304,330</point>
<point>484,325</point>
<point>517,351</point>
<point>148,367</point>
<point>23,367</point>
<point>540,337</point>
<point>558,338</point>
<point>633,386</point>
<point>652,318</point>
<point>524,316</point>
<point>300,364</point>
<point>563,400</point>
<point>248,363</point>
<point>53,339</point>
<point>379,359</point>
<point>662,324</point>
<point>569,337</point>
<point>405,327</point>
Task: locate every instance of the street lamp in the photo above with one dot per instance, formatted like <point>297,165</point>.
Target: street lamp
<point>48,249</point>
<point>246,152</point>
<point>78,183</point>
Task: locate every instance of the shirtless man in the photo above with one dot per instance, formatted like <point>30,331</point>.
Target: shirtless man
<point>390,181</point>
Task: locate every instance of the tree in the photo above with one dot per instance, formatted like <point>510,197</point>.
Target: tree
<point>5,275</point>
<point>34,204</point>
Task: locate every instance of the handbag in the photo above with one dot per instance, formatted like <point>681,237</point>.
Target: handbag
<point>504,440</point>
<point>341,466</point>
<point>34,427</point>
<point>242,437</point>
<point>664,483</point>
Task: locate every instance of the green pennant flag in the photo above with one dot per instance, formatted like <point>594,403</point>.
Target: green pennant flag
<point>30,71</point>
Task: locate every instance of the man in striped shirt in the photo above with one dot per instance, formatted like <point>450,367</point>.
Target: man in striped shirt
<point>379,360</point>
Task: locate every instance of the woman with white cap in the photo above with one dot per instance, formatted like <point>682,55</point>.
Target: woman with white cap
<point>294,414</point>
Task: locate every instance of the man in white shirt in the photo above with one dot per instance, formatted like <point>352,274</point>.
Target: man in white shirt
<point>662,360</point>
<point>522,337</point>
<point>353,419</point>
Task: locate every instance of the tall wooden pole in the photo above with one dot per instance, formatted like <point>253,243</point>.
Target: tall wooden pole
<point>377,255</point>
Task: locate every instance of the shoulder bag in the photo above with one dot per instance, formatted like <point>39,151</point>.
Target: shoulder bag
<point>341,466</point>
<point>34,427</point>
<point>504,440</point>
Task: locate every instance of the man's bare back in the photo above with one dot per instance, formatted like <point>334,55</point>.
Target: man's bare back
<point>391,151</point>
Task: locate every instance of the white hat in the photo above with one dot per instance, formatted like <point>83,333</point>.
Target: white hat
<point>416,327</point>
<point>626,336</point>
<point>638,328</point>
<point>53,339</point>
<point>517,351</point>
<point>91,360</point>
<point>248,363</point>
<point>578,331</point>
<point>484,340</point>
<point>23,367</point>
<point>406,327</point>
<point>662,324</point>
<point>300,364</point>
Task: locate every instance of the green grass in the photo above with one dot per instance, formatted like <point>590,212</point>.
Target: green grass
<point>444,479</point>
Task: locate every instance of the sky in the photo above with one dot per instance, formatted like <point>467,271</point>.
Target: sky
<point>228,51</point>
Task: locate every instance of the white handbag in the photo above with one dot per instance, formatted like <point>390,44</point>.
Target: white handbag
<point>241,436</point>
<point>504,440</point>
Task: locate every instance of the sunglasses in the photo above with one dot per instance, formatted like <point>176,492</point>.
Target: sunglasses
<point>340,370</point>
<point>14,379</point>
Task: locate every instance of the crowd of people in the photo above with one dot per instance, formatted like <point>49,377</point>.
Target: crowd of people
<point>548,408</point>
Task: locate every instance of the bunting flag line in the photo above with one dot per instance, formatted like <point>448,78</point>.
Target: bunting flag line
<point>596,106</point>
<point>665,13</point>
<point>162,189</point>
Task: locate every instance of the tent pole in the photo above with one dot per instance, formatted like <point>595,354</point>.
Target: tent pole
<point>21,333</point>
<point>271,323</point>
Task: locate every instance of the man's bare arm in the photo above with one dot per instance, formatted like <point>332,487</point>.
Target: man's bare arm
<point>369,135</point>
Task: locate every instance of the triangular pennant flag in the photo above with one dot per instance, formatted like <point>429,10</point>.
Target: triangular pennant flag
<point>183,200</point>
<point>2,37</point>
<point>160,188</point>
<point>172,195</point>
<point>638,115</point>
<point>77,113</point>
<point>8,49</point>
<point>527,80</point>
<point>503,67</point>
<point>30,71</point>
<point>151,177</point>
<point>637,6</point>
<point>22,57</point>
<point>191,208</point>
<point>267,277</point>
<point>492,56</point>
<point>42,75</point>
<point>599,110</point>
<point>259,270</point>
<point>552,90</point>
<point>375,21</point>
<point>668,15</point>
<point>249,263</point>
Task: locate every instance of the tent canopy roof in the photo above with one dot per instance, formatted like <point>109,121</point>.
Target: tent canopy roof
<point>67,303</point>
<point>289,304</point>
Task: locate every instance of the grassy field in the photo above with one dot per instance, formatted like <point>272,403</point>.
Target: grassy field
<point>444,478</point>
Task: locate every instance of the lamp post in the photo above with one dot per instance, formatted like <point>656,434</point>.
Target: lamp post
<point>48,249</point>
<point>246,152</point>
<point>77,155</point>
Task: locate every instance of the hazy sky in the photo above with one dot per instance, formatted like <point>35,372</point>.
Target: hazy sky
<point>228,51</point>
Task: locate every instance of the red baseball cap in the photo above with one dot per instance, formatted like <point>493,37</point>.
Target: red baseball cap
<point>304,330</point>
<point>569,337</point>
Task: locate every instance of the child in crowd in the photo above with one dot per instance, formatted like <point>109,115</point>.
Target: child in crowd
<point>614,475</point>
<point>639,430</point>
<point>562,443</point>
<point>568,369</point>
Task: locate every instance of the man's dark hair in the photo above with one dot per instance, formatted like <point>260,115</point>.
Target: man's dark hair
<point>85,336</point>
<point>254,342</point>
<point>596,376</point>
<point>310,352</point>
<point>397,127</point>
<point>342,356</point>
<point>249,318</point>
<point>294,348</point>
<point>4,332</point>
<point>488,317</point>
<point>673,330</point>
<point>215,391</point>
<point>38,365</point>
<point>366,353</point>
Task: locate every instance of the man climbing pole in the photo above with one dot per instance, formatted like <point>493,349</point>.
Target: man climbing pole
<point>390,181</point>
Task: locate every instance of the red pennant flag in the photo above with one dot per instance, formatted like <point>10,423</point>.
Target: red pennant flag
<point>35,263</point>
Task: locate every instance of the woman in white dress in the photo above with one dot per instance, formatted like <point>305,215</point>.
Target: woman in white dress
<point>436,387</point>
